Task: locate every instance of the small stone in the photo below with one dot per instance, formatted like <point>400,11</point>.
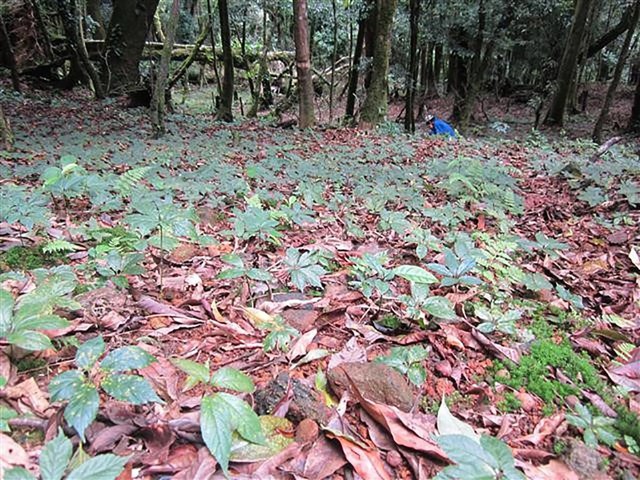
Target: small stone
<point>307,431</point>
<point>394,459</point>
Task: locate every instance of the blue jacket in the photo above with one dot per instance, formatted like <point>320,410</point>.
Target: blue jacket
<point>440,127</point>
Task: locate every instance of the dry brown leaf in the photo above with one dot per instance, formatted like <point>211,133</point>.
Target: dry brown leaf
<point>11,453</point>
<point>323,460</point>
<point>29,393</point>
<point>554,470</point>
<point>301,345</point>
<point>201,468</point>
<point>366,462</point>
<point>543,429</point>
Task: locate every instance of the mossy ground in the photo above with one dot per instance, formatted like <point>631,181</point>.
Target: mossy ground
<point>29,258</point>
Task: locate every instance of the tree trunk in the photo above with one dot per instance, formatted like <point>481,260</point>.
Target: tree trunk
<point>160,87</point>
<point>617,74</point>
<point>303,64</point>
<point>438,56</point>
<point>130,22</point>
<point>412,72</point>
<point>334,56</point>
<point>6,136</point>
<point>567,68</point>
<point>355,71</point>
<point>225,112</point>
<point>10,59</point>
<point>634,121</point>
<point>375,103</point>
<point>186,63</point>
<point>93,10</point>
<point>72,20</point>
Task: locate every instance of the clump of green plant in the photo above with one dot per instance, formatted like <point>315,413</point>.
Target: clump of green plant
<point>116,266</point>
<point>304,268</point>
<point>222,414</point>
<point>509,403</point>
<point>239,270</point>
<point>409,361</point>
<point>532,372</point>
<point>494,319</point>
<point>80,387</point>
<point>21,320</point>
<point>29,258</point>
<point>56,462</point>
<point>594,428</point>
<point>457,267</point>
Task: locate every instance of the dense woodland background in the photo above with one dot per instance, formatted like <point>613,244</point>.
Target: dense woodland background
<point>346,59</point>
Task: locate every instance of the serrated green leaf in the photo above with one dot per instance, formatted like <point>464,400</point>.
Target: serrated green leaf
<point>133,389</point>
<point>465,451</point>
<point>234,260</point>
<point>18,473</point>
<point>259,275</point>
<point>499,450</point>
<point>440,307</point>
<point>55,457</point>
<point>82,408</point>
<point>244,451</point>
<point>231,273</point>
<point>415,274</point>
<point>232,379</point>
<point>6,414</point>
<point>64,385</point>
<point>89,352</point>
<point>6,312</point>
<point>216,427</point>
<point>195,370</point>
<point>126,358</point>
<point>102,467</point>
<point>39,322</point>
<point>416,374</point>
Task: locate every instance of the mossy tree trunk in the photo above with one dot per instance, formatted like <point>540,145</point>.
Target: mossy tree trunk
<point>130,22</point>
<point>94,11</point>
<point>355,71</point>
<point>375,104</point>
<point>9,57</point>
<point>158,99</point>
<point>568,64</point>
<point>412,71</point>
<point>6,135</point>
<point>303,64</point>
<point>225,112</point>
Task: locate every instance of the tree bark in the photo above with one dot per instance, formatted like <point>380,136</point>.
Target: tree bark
<point>567,68</point>
<point>355,72</point>
<point>634,120</point>
<point>159,91</point>
<point>621,27</point>
<point>71,20</point>
<point>375,103</point>
<point>617,74</point>
<point>334,56</point>
<point>412,71</point>
<point>93,10</point>
<point>303,64</point>
<point>130,22</point>
<point>225,112</point>
<point>184,66</point>
<point>10,58</point>
<point>6,136</point>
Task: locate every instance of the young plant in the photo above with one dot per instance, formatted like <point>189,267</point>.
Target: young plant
<point>55,464</point>
<point>370,274</point>
<point>408,361</point>
<point>80,387</point>
<point>456,269</point>
<point>115,266</point>
<point>494,319</point>
<point>239,270</point>
<point>420,304</point>
<point>222,414</point>
<point>19,206</point>
<point>594,429</point>
<point>549,245</point>
<point>280,332</point>
<point>21,320</point>
<point>256,222</point>
<point>304,268</point>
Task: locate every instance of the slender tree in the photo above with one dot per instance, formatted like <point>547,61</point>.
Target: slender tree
<point>9,57</point>
<point>95,12</point>
<point>303,64</point>
<point>355,70</point>
<point>634,120</point>
<point>225,112</point>
<point>412,71</point>
<point>6,135</point>
<point>617,74</point>
<point>567,68</point>
<point>375,103</point>
<point>158,99</point>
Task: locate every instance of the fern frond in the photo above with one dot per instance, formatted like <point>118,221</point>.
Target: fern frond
<point>59,246</point>
<point>130,178</point>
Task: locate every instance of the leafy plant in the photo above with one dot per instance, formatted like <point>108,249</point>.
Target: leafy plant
<point>594,428</point>
<point>222,413</point>
<point>408,361</point>
<point>304,269</point>
<point>238,269</point>
<point>56,463</point>
<point>495,319</point>
<point>456,269</point>
<point>67,180</point>
<point>370,274</point>
<point>256,222</point>
<point>548,245</point>
<point>59,245</point>
<point>80,387</point>
<point>420,303</point>
<point>280,333</point>
<point>115,266</point>
<point>27,208</point>
<point>21,320</point>
<point>572,298</point>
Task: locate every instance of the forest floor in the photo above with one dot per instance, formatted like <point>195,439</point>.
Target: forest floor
<point>499,272</point>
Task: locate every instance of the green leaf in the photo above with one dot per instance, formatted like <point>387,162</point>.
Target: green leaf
<point>6,312</point>
<point>417,374</point>
<point>133,389</point>
<point>216,427</point>
<point>498,450</point>
<point>89,352</point>
<point>415,274</point>
<point>6,414</point>
<point>231,273</point>
<point>448,425</point>
<point>18,473</point>
<point>39,321</point>
<point>259,275</point>
<point>234,260</point>
<point>232,379</point>
<point>82,408</point>
<point>30,340</point>
<point>126,358</point>
<point>64,385</point>
<point>440,307</point>
<point>273,428</point>
<point>55,457</point>
<point>102,467</point>
<point>244,418</point>
<point>196,370</point>
<point>466,451</point>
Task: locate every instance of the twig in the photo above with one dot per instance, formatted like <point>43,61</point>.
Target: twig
<point>602,149</point>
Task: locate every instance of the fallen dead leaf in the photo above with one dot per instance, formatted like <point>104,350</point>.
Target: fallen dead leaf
<point>365,461</point>
<point>554,470</point>
<point>11,453</point>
